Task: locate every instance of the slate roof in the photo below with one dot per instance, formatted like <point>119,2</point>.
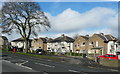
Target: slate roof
<point>62,39</point>
<point>86,38</point>
<point>19,39</point>
<point>107,37</point>
<point>118,41</point>
<point>49,40</point>
<point>4,38</point>
<point>43,39</point>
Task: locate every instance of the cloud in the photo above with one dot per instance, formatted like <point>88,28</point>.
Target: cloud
<point>98,19</point>
<point>71,21</point>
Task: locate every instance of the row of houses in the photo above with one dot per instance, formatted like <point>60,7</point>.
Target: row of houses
<point>95,44</point>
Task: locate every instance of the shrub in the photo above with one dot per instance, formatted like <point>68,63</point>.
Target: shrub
<point>52,53</point>
<point>78,54</point>
<point>74,54</point>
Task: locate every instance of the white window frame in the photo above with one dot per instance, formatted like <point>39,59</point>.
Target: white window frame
<point>90,43</point>
<point>82,44</point>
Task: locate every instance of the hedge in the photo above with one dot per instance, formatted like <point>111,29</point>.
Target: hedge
<point>74,54</point>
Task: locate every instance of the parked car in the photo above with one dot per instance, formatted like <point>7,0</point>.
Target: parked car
<point>40,51</point>
<point>108,56</point>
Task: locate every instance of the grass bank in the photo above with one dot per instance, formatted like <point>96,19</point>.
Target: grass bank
<point>38,56</point>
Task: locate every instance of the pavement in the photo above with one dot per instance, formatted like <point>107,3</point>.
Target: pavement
<point>22,63</point>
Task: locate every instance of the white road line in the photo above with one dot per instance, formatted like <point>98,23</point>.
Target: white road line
<point>113,70</point>
<point>73,71</point>
<point>24,66</point>
<point>91,67</point>
<point>6,61</point>
<point>45,65</point>
<point>21,64</point>
<point>49,60</point>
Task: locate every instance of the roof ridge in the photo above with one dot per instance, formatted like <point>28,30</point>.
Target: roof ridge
<point>112,37</point>
<point>105,37</point>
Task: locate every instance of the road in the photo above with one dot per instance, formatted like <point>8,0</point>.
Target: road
<point>23,63</point>
<point>10,67</point>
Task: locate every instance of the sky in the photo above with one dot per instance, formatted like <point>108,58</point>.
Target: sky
<point>81,18</point>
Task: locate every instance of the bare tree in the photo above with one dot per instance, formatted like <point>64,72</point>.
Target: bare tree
<point>25,18</point>
<point>76,36</point>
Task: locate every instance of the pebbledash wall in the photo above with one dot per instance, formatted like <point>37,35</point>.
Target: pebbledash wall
<point>60,47</point>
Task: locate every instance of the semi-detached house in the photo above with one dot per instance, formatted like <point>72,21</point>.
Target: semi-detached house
<point>102,44</point>
<point>80,44</point>
<point>61,44</point>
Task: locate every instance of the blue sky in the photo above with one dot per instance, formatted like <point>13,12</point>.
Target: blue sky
<point>56,8</point>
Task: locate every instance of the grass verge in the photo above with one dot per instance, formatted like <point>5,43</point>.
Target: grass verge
<point>38,56</point>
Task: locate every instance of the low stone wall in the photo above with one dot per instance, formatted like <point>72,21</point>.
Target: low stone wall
<point>109,62</point>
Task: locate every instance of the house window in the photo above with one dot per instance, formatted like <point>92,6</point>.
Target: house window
<point>52,50</point>
<point>63,47</point>
<point>90,43</point>
<point>75,45</point>
<point>78,44</point>
<point>96,43</point>
<point>83,44</point>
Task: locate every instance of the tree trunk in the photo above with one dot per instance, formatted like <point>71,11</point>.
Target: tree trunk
<point>26,46</point>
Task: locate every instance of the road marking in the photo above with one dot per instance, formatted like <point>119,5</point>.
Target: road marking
<point>49,60</point>
<point>91,67</point>
<point>45,65</point>
<point>113,70</point>
<point>21,64</point>
<point>73,71</point>
<point>6,61</point>
<point>24,66</point>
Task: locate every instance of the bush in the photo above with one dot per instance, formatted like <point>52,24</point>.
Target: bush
<point>52,53</point>
<point>74,54</point>
<point>78,54</point>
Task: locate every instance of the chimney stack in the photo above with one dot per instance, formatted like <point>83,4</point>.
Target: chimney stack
<point>87,35</point>
<point>102,34</point>
<point>62,35</point>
